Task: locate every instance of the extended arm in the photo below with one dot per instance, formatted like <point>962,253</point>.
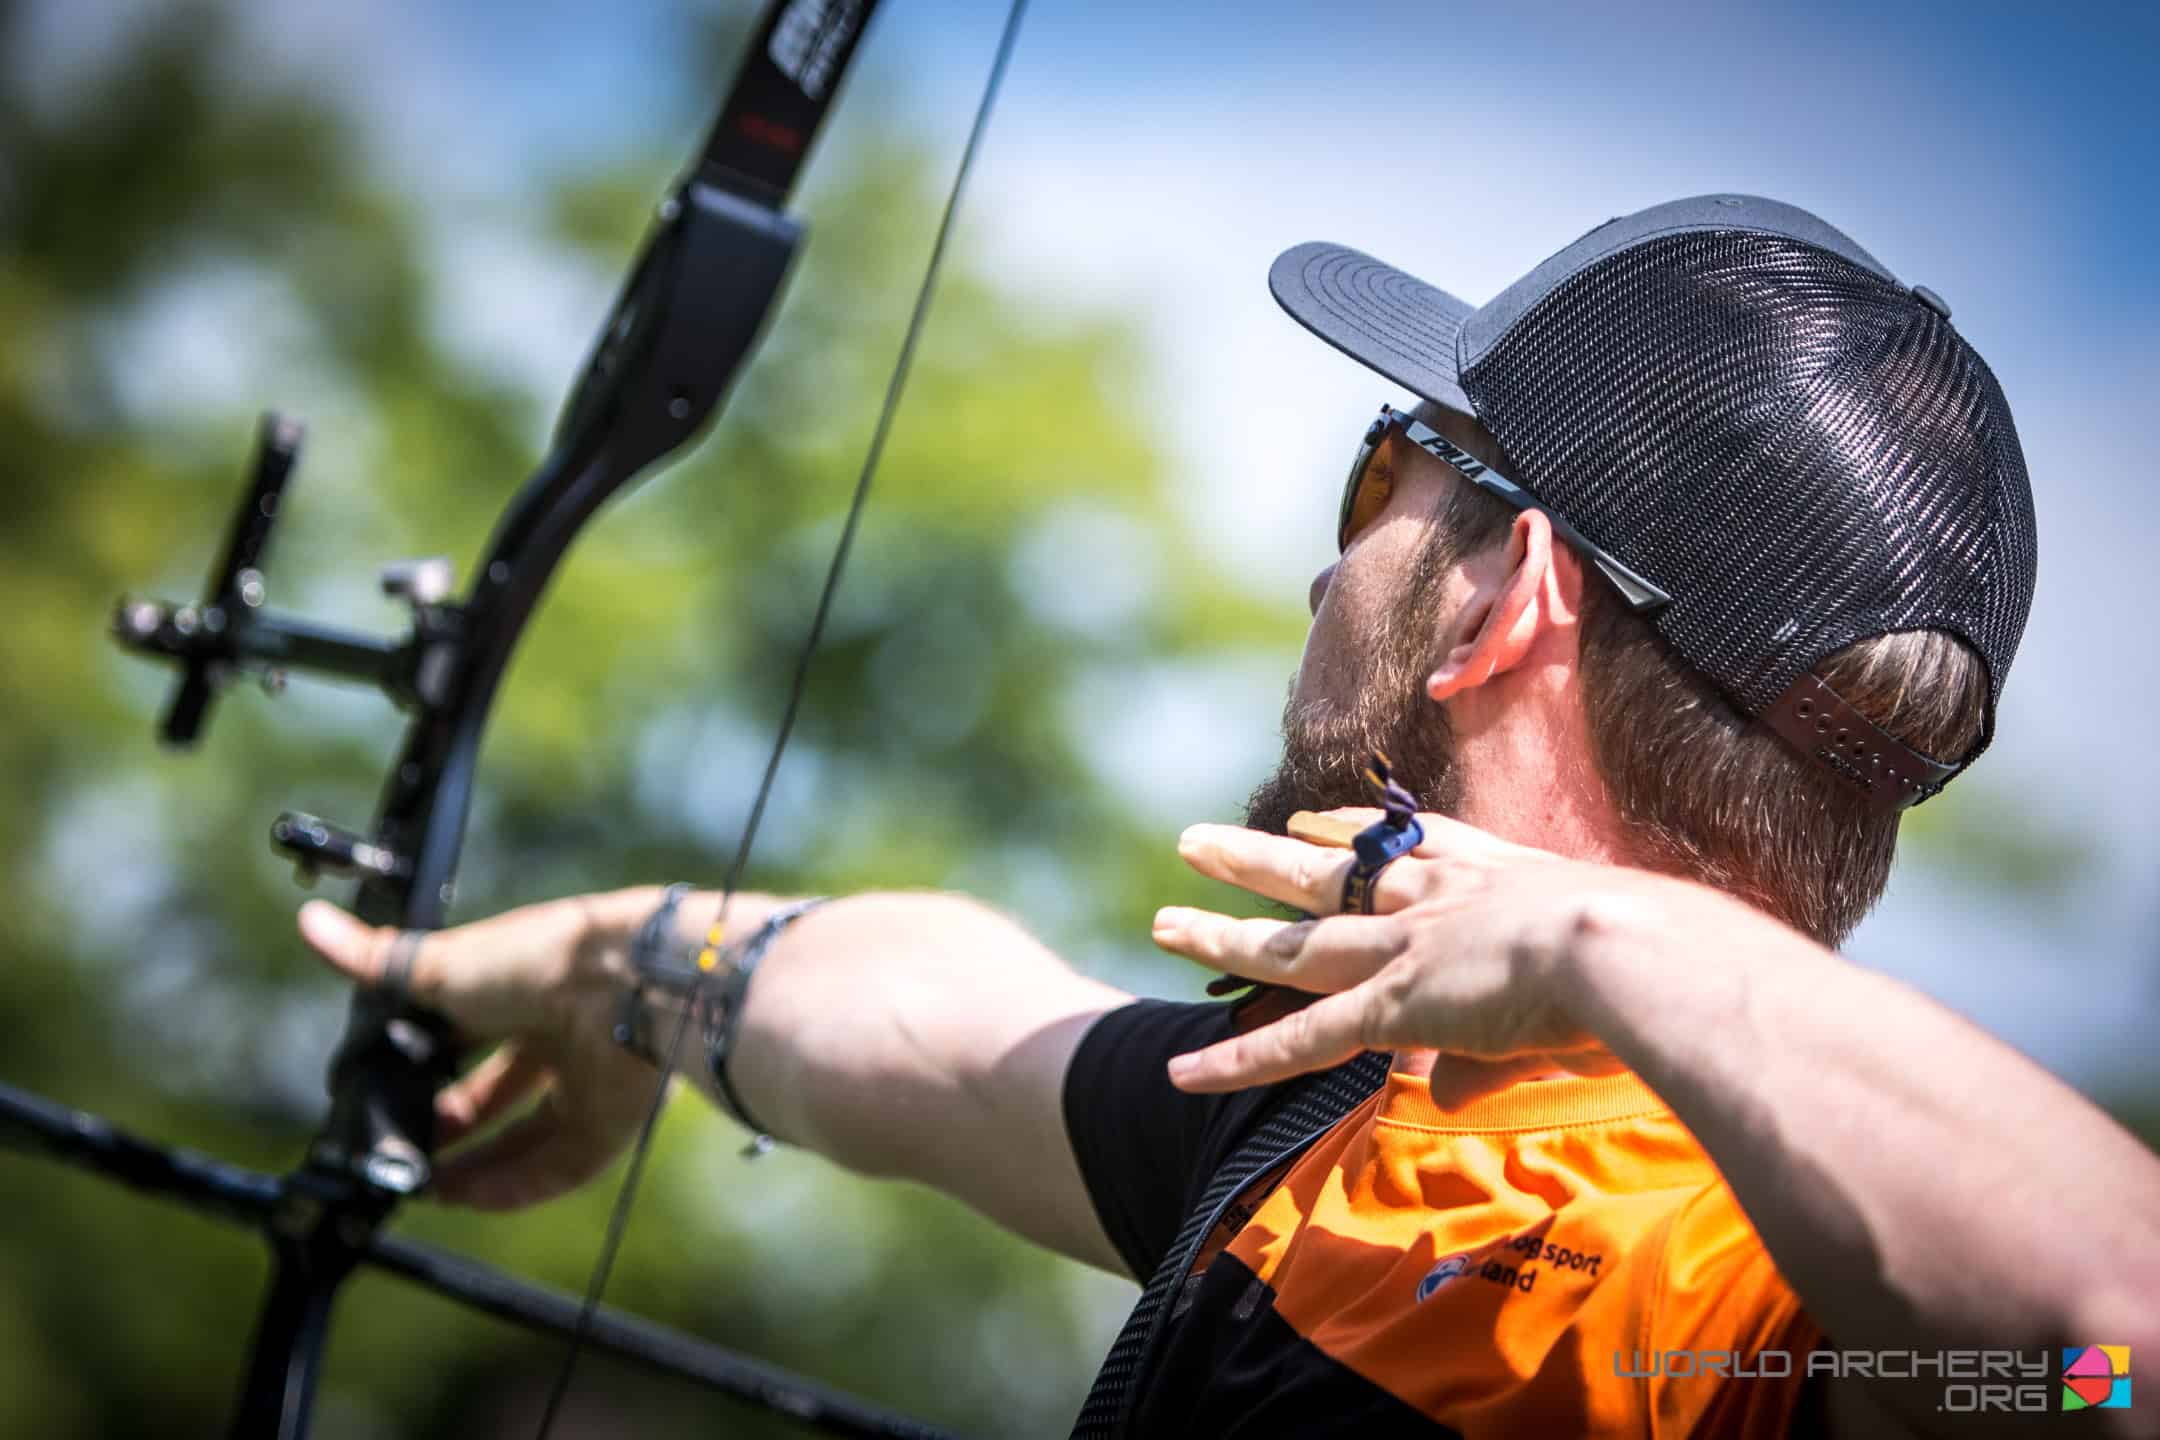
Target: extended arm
<point>917,1036</point>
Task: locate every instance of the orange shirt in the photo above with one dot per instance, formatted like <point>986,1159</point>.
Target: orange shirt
<point>1498,1268</point>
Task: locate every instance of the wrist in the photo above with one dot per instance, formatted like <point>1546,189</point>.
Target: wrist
<point>1611,932</point>
<point>609,920</point>
<point>1646,949</point>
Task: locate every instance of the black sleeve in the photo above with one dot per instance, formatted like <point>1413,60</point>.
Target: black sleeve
<point>1146,1148</point>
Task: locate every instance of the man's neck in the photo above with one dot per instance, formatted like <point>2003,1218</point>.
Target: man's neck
<point>1528,776</point>
<point>1536,803</point>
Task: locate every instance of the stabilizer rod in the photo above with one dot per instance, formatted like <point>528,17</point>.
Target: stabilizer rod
<point>258,1201</point>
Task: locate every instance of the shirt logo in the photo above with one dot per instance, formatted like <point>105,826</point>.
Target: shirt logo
<point>1515,1261</point>
<point>1440,1274</point>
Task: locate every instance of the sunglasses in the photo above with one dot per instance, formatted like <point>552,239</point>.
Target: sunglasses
<point>1362,502</point>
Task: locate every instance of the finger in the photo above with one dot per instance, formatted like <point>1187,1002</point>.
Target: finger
<point>1593,1060</point>
<point>340,938</point>
<point>535,1158</point>
<point>1296,872</point>
<point>1324,1034</point>
<point>361,952</point>
<point>486,1093</point>
<point>1447,838</point>
<point>1444,835</point>
<point>494,978</point>
<point>1316,955</point>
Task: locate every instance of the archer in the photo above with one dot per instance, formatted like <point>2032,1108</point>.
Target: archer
<point>1704,555</point>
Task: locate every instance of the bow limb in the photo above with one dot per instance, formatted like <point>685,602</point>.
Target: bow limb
<point>764,62</point>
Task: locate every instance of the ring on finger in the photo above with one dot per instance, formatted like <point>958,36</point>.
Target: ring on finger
<point>396,981</point>
<point>1378,846</point>
<point>1395,834</point>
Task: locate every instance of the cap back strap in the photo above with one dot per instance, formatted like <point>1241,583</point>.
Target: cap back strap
<point>1819,723</point>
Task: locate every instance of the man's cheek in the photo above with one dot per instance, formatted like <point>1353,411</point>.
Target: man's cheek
<point>1323,670</point>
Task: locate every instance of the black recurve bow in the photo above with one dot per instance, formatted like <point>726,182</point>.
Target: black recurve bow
<point>711,267</point>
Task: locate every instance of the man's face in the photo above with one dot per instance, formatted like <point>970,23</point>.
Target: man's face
<point>1380,617</point>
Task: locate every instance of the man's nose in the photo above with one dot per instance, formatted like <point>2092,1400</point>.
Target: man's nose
<point>1319,588</point>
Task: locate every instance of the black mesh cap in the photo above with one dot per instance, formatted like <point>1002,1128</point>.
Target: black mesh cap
<point>1746,408</point>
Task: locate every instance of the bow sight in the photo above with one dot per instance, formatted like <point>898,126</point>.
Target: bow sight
<point>690,312</point>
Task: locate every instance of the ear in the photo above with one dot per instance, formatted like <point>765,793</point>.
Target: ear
<point>1533,590</point>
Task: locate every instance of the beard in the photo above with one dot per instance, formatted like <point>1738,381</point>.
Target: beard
<point>1328,743</point>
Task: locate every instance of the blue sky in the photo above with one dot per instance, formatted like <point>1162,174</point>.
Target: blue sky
<point>1156,156</point>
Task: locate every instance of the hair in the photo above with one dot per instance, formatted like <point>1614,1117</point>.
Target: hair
<point>1707,794</point>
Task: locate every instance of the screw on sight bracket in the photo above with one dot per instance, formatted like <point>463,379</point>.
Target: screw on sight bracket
<point>426,581</point>
<point>316,846</point>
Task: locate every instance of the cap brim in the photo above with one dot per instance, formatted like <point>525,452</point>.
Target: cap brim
<point>1377,315</point>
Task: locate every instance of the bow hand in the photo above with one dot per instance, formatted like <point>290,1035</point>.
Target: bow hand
<point>557,1099</point>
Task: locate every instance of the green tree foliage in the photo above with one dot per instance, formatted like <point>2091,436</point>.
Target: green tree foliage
<point>160,224</point>
<point>179,244</point>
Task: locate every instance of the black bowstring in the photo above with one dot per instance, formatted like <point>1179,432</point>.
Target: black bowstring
<point>619,1216</point>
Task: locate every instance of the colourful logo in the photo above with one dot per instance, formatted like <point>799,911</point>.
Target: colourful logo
<point>2096,1377</point>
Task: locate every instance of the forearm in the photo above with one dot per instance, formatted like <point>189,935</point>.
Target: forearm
<point>918,1036</point>
<point>1919,1183</point>
<point>878,1022</point>
<point>846,1035</point>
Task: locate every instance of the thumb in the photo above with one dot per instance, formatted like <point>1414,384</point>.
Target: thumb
<point>341,939</point>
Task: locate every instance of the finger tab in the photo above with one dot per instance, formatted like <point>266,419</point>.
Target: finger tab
<point>1330,830</point>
